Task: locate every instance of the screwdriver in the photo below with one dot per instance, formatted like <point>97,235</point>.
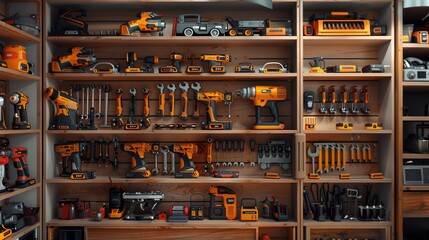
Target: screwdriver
<point>224,151</point>
<point>229,153</point>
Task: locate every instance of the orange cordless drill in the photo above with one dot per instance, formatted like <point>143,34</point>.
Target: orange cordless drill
<point>78,58</point>
<point>19,100</point>
<point>138,164</point>
<point>19,158</point>
<point>71,151</point>
<point>265,96</point>
<point>66,109</point>
<point>148,22</point>
<point>187,167</point>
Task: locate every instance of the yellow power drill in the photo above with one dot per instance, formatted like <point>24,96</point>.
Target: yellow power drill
<point>265,96</point>
<point>216,62</point>
<point>66,109</point>
<point>78,58</point>
<point>19,100</point>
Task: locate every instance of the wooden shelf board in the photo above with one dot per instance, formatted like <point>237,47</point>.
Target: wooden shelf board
<point>154,77</point>
<point>172,132</point>
<point>16,132</point>
<point>354,179</point>
<point>415,156</point>
<point>346,76</point>
<point>415,46</point>
<point>10,74</point>
<point>16,35</point>
<point>347,131</point>
<point>106,223</point>
<point>91,41</point>
<point>171,179</point>
<point>407,188</point>
<point>415,215</point>
<point>18,191</point>
<point>347,224</point>
<point>156,1</point>
<point>368,41</point>
<point>25,230</point>
<point>415,118</point>
<point>415,84</point>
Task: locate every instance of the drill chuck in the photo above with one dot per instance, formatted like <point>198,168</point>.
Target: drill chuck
<point>14,98</point>
<point>246,92</point>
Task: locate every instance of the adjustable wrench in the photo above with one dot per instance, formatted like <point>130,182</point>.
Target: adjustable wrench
<point>184,86</point>
<point>164,151</point>
<point>106,91</point>
<point>131,124</point>
<point>313,155</point>
<point>196,86</point>
<point>98,114</point>
<point>171,87</point>
<point>145,121</point>
<point>161,100</point>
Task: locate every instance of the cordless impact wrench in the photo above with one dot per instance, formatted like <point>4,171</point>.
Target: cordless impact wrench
<point>19,100</point>
<point>19,158</point>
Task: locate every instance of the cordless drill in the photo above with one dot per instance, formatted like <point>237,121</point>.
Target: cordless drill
<point>176,59</point>
<point>149,61</point>
<point>78,58</point>
<point>216,62</point>
<point>19,158</point>
<point>66,109</point>
<point>265,96</point>
<point>19,100</point>
<point>71,151</point>
<point>187,167</point>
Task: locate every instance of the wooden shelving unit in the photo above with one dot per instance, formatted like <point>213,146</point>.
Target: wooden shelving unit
<point>296,50</point>
<point>29,84</point>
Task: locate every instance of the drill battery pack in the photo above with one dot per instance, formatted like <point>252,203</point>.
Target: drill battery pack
<point>216,126</point>
<point>420,37</point>
<point>194,69</point>
<point>168,69</point>
<point>343,68</point>
<point>373,126</point>
<point>344,126</point>
<point>249,212</point>
<point>226,174</point>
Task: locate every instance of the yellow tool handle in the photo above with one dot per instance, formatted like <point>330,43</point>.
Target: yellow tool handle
<point>184,113</point>
<point>338,159</point>
<point>369,154</point>
<point>161,103</point>
<point>319,167</point>
<point>339,13</point>
<point>326,159</point>
<point>172,101</point>
<point>197,109</point>
<point>352,154</point>
<point>332,158</point>
<point>365,154</point>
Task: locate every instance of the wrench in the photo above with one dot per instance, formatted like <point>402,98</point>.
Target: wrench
<point>332,157</point>
<point>196,86</point>
<point>161,99</point>
<point>338,150</point>
<point>171,87</point>
<point>343,149</point>
<point>92,95</point>
<point>77,90</point>
<point>313,155</point>
<point>155,151</point>
<point>131,124</point>
<point>117,121</point>
<point>173,162</point>
<point>320,162</point>
<point>145,121</point>
<point>184,86</point>
<point>98,114</point>
<point>107,88</point>
<point>326,168</point>
<point>164,151</point>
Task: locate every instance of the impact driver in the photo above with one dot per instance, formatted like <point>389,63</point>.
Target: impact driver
<point>265,96</point>
<point>78,58</point>
<point>19,100</point>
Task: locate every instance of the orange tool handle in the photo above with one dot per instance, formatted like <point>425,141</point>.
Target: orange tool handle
<point>146,108</point>
<point>358,154</point>
<point>322,94</point>
<point>369,154</point>
<point>319,167</point>
<point>344,158</point>
<point>332,158</point>
<point>338,159</point>
<point>161,103</point>
<point>326,159</point>
<point>184,113</point>
<point>172,101</point>
<point>352,154</point>
<point>119,104</point>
